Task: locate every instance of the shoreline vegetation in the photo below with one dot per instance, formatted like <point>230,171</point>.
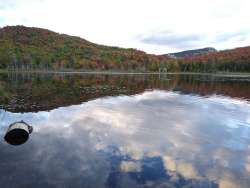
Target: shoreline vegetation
<point>223,74</point>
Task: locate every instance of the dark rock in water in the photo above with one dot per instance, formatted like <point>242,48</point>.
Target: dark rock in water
<point>18,133</point>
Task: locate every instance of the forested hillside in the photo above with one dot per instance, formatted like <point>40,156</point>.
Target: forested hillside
<point>189,53</point>
<point>26,49</point>
<point>236,60</point>
<point>34,48</point>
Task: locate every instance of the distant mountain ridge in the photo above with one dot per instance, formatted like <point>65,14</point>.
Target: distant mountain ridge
<point>31,49</point>
<point>195,52</point>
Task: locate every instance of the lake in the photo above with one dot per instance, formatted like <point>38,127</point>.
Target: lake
<point>126,131</point>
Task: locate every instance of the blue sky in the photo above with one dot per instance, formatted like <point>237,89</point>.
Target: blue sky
<point>154,26</point>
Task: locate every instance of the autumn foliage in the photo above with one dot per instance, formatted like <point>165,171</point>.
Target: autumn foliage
<point>34,48</point>
<point>26,48</point>
<point>236,60</point>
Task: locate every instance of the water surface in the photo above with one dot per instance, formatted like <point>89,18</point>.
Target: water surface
<point>127,131</point>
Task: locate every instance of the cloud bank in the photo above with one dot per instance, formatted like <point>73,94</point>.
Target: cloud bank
<point>155,26</point>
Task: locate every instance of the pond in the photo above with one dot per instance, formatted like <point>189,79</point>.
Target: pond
<point>126,131</point>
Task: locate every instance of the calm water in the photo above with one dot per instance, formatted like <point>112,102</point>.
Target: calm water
<point>126,131</point>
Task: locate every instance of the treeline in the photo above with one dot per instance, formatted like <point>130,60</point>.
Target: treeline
<point>33,48</point>
<point>236,60</point>
<point>24,48</point>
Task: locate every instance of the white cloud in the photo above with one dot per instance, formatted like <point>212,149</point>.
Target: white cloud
<point>119,23</point>
<point>197,146</point>
<point>130,166</point>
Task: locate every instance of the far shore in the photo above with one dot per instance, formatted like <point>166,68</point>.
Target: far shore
<point>223,74</point>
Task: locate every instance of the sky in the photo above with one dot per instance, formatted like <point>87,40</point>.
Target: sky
<point>154,26</point>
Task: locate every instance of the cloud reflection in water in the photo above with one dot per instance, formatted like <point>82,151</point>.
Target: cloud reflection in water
<point>155,139</point>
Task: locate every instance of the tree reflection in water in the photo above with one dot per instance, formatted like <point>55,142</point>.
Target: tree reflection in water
<point>127,131</point>
<point>39,92</point>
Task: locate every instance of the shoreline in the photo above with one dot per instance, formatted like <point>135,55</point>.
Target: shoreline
<point>219,74</point>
